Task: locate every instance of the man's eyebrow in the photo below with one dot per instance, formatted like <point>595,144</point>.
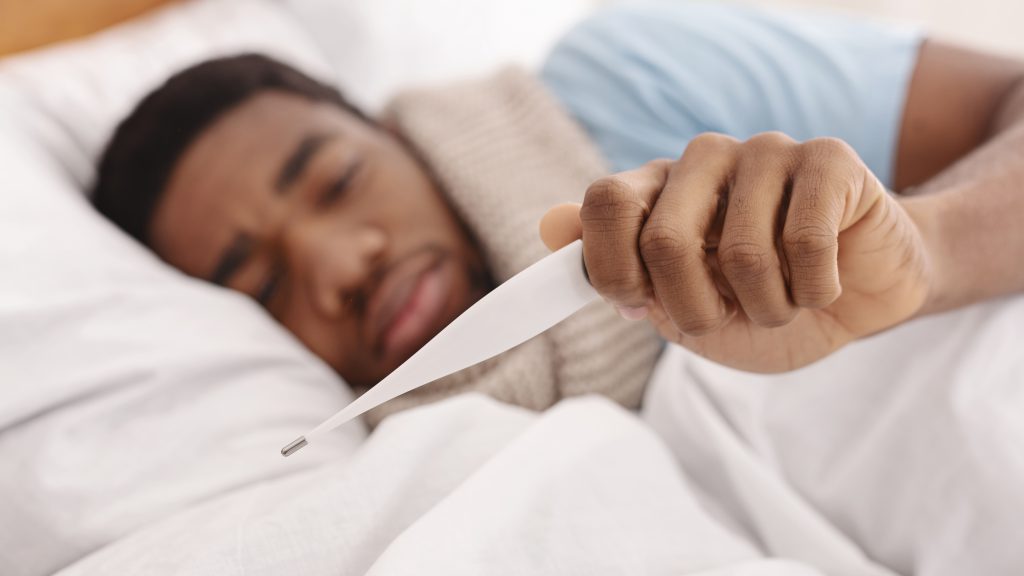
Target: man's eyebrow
<point>299,159</point>
<point>231,260</point>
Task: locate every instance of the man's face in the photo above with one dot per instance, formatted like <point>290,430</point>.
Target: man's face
<point>329,222</point>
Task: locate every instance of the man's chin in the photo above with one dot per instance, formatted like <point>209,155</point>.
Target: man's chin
<point>461,288</point>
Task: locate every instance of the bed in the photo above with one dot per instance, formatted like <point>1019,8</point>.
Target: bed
<point>141,411</point>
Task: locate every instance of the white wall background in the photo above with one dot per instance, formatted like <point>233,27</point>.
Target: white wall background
<point>991,24</point>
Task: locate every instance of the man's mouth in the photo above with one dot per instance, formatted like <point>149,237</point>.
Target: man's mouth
<point>406,308</point>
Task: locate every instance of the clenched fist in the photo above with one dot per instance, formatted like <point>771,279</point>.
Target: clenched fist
<point>763,255</point>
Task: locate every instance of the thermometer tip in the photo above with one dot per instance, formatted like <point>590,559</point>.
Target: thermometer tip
<point>294,446</point>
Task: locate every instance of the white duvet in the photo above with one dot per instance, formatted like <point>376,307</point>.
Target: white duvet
<point>901,454</point>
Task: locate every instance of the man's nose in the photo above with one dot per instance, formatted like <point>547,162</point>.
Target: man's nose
<point>334,261</point>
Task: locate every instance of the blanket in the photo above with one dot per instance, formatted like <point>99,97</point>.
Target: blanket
<point>900,454</point>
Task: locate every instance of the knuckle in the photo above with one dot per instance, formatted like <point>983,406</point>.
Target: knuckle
<point>744,262</point>
<point>661,244</point>
<point>608,190</point>
<point>829,148</point>
<point>711,142</point>
<point>811,255</point>
<point>831,169</point>
<point>769,141</point>
<point>658,164</point>
<point>609,200</point>
<point>809,245</point>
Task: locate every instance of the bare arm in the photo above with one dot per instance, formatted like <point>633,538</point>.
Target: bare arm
<point>965,121</point>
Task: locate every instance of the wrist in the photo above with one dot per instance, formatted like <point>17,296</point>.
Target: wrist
<point>927,213</point>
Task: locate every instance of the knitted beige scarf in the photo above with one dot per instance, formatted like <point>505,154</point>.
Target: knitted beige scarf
<point>504,151</point>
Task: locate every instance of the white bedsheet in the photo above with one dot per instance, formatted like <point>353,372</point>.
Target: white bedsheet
<point>902,454</point>
<point>468,486</point>
<point>909,445</point>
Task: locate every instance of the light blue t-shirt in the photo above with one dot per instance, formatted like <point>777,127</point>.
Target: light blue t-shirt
<point>645,79</point>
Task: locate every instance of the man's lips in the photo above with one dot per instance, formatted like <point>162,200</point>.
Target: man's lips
<point>405,310</point>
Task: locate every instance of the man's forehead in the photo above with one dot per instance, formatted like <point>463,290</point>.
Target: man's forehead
<point>281,112</point>
<point>226,174</point>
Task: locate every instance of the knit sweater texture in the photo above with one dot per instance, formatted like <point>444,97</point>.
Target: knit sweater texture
<point>503,151</point>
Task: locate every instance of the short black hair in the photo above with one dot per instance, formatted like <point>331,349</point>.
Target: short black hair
<point>146,146</point>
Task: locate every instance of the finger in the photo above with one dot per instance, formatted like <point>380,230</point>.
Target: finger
<point>747,253</point>
<point>613,214</point>
<point>810,237</point>
<point>673,240</point>
<point>561,225</point>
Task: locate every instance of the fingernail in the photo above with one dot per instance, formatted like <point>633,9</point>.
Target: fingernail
<point>631,312</point>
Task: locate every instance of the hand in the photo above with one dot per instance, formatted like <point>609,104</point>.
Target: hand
<point>763,255</point>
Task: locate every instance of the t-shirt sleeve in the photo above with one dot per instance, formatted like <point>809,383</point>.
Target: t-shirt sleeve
<point>644,80</point>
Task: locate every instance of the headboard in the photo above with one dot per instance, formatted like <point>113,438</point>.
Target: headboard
<point>27,24</point>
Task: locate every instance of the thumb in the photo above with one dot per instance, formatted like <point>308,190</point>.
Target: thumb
<point>561,226</point>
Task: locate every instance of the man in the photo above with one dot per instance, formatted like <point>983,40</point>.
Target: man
<point>764,254</point>
<point>763,247</point>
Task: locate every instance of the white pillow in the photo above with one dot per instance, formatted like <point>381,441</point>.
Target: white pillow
<point>381,46</point>
<point>128,391</point>
<point>82,89</point>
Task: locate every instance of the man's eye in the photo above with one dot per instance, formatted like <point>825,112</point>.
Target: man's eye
<point>339,186</point>
<point>269,287</point>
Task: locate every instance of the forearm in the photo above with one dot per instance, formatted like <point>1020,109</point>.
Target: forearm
<point>971,217</point>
